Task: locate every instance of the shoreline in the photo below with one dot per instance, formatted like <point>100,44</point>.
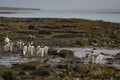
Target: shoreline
<point>107,21</point>
<point>105,16</point>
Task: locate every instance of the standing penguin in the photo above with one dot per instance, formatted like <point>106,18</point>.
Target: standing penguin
<point>25,50</point>
<point>91,57</point>
<point>7,40</point>
<point>99,59</point>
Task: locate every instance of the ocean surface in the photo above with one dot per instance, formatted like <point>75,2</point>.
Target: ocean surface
<point>90,15</point>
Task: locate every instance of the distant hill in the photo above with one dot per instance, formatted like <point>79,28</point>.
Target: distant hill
<point>16,8</point>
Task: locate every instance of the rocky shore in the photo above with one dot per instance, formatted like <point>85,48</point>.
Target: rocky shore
<point>55,32</point>
<point>58,66</point>
<point>62,32</point>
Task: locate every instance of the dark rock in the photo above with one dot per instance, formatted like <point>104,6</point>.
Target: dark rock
<point>36,19</point>
<point>117,56</point>
<point>77,68</point>
<point>62,66</point>
<point>7,76</point>
<point>66,53</point>
<point>52,52</point>
<point>42,72</point>
<point>109,62</point>
<point>21,73</point>
<point>54,78</point>
<point>32,27</point>
<point>26,67</point>
<point>44,32</point>
<point>15,64</point>
<point>80,68</point>
<point>77,60</point>
<point>94,49</point>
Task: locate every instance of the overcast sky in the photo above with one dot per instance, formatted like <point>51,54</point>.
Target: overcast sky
<point>62,4</point>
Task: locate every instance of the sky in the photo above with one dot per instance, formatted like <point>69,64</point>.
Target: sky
<point>62,4</point>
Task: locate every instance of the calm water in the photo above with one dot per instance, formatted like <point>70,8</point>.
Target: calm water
<point>111,17</point>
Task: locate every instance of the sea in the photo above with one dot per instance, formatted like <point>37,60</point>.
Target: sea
<point>108,16</point>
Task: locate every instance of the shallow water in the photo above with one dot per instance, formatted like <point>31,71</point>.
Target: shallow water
<point>13,59</point>
<point>81,53</point>
<point>112,17</point>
